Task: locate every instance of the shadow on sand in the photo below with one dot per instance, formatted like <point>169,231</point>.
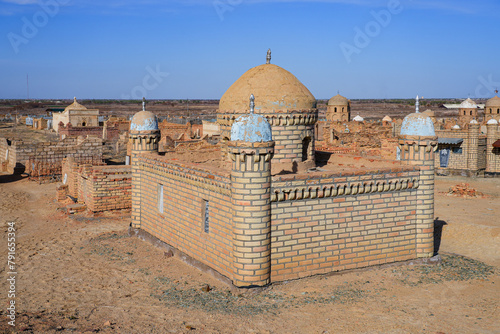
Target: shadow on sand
<point>12,178</point>
<point>438,233</point>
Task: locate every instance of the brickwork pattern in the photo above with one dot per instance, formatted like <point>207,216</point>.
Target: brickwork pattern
<point>70,131</point>
<point>419,151</point>
<point>20,152</point>
<point>114,127</point>
<point>330,223</point>
<point>139,143</point>
<point>174,130</point>
<point>473,149</point>
<point>289,131</point>
<point>481,153</point>
<point>338,113</point>
<point>101,188</point>
<point>181,225</point>
<point>492,153</point>
<point>492,113</point>
<point>44,169</point>
<point>473,156</point>
<point>374,139</point>
<point>251,203</point>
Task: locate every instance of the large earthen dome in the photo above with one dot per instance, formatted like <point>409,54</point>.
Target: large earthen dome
<point>275,89</point>
<point>338,100</point>
<point>493,102</point>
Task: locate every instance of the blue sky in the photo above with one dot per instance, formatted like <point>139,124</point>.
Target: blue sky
<point>196,49</point>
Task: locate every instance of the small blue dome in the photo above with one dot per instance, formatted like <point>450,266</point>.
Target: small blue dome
<point>144,121</point>
<point>418,124</point>
<point>251,128</point>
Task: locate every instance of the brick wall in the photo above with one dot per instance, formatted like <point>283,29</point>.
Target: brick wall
<point>419,151</point>
<point>71,131</point>
<point>289,131</point>
<point>101,188</point>
<point>289,143</point>
<point>251,203</point>
<point>362,135</point>
<point>5,147</point>
<point>174,130</point>
<point>210,128</point>
<point>324,224</point>
<point>318,223</point>
<point>70,172</point>
<point>473,156</point>
<point>492,153</point>
<point>53,153</point>
<point>114,127</point>
<point>481,153</point>
<point>456,161</point>
<point>255,229</point>
<point>186,189</point>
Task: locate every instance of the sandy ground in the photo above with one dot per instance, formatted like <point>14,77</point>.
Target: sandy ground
<point>85,274</point>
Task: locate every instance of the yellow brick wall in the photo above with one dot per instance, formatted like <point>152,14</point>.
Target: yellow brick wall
<point>321,234</point>
<point>181,225</point>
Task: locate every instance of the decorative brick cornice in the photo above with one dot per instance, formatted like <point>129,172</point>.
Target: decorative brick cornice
<point>257,151</point>
<point>342,189</point>
<point>276,119</point>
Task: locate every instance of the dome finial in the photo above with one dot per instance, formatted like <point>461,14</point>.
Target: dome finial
<point>268,58</point>
<point>417,105</point>
<point>143,104</point>
<point>74,99</point>
<point>252,104</point>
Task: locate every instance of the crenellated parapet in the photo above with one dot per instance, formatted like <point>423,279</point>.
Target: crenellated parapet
<point>145,141</point>
<point>418,148</point>
<point>251,157</point>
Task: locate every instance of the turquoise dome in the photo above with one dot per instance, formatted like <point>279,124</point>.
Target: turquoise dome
<point>418,124</point>
<point>251,128</point>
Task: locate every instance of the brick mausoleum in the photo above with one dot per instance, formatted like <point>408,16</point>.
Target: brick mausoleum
<point>265,211</point>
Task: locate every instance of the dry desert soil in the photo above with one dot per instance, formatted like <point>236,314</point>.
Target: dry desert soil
<point>84,274</point>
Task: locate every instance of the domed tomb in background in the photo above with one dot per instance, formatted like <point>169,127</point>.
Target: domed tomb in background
<point>492,109</point>
<point>338,109</point>
<point>75,106</point>
<point>467,110</point>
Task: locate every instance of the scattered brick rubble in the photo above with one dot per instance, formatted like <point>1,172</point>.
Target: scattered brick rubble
<point>464,190</point>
